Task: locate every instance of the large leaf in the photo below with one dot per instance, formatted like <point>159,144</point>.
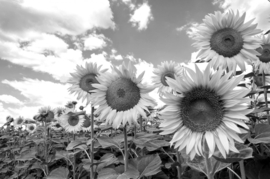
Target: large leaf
<point>107,142</point>
<point>73,144</point>
<point>107,173</point>
<point>147,165</point>
<point>59,173</point>
<point>27,155</point>
<point>107,160</point>
<point>214,165</point>
<point>262,134</point>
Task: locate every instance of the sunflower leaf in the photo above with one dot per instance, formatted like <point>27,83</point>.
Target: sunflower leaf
<point>107,173</point>
<point>59,173</point>
<point>73,144</point>
<point>262,134</point>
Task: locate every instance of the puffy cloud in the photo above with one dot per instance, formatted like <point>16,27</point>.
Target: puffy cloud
<point>25,18</point>
<point>115,56</point>
<point>95,41</point>
<point>100,59</point>
<point>253,8</point>
<point>39,93</point>
<point>141,16</point>
<point>189,28</point>
<point>8,99</point>
<point>3,114</point>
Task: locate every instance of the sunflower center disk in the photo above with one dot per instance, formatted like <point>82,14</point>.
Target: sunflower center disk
<point>31,128</point>
<point>123,94</point>
<point>86,122</point>
<point>87,81</point>
<point>73,120</point>
<point>265,53</point>
<point>226,42</point>
<point>169,74</point>
<point>201,110</point>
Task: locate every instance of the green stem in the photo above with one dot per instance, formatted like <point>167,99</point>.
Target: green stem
<point>125,148</point>
<point>92,144</point>
<point>230,172</point>
<point>265,98</point>
<point>242,169</point>
<point>209,168</point>
<point>47,135</point>
<point>141,125</point>
<point>179,168</point>
<point>74,161</point>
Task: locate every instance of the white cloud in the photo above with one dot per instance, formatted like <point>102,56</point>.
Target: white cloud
<point>3,114</point>
<point>100,59</point>
<point>8,99</point>
<point>25,18</point>
<point>141,16</point>
<point>115,56</point>
<point>253,8</point>
<point>39,93</point>
<point>95,41</point>
<point>189,28</point>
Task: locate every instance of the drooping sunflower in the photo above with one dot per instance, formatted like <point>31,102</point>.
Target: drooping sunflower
<point>263,64</point>
<point>227,41</point>
<point>72,122</point>
<point>121,96</point>
<point>46,114</point>
<point>58,112</point>
<point>31,128</point>
<point>83,79</point>
<point>18,122</point>
<point>166,69</point>
<point>208,110</point>
<point>55,126</point>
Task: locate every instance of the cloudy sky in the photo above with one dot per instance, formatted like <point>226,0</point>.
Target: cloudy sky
<point>41,41</point>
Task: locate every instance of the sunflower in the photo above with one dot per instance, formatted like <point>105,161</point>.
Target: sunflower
<point>46,114</point>
<point>31,128</point>
<point>55,126</point>
<point>258,80</point>
<point>83,79</point>
<point>227,41</point>
<point>263,64</point>
<point>72,122</point>
<point>166,69</point>
<point>121,96</point>
<point>71,104</point>
<point>58,112</point>
<point>18,122</point>
<point>9,119</point>
<point>208,110</point>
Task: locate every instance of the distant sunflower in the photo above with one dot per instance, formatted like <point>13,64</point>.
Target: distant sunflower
<point>31,128</point>
<point>166,69</point>
<point>58,112</point>
<point>208,110</point>
<point>18,122</point>
<point>121,96</point>
<point>9,119</point>
<point>56,126</point>
<point>263,64</point>
<point>72,122</point>
<point>227,41</point>
<point>83,79</point>
<point>46,114</point>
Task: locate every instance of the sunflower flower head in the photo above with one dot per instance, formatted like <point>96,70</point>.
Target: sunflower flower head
<point>9,119</point>
<point>18,122</point>
<point>31,128</point>
<point>72,121</point>
<point>58,112</point>
<point>55,126</point>
<point>121,96</point>
<point>46,114</point>
<point>166,69</point>
<point>263,64</point>
<point>208,110</point>
<point>82,80</point>
<point>227,41</point>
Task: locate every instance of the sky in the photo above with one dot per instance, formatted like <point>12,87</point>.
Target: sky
<point>42,41</point>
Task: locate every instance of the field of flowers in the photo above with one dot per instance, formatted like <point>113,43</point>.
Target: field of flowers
<point>215,123</point>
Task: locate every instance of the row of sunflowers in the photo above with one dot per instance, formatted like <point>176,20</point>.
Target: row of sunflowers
<point>215,122</point>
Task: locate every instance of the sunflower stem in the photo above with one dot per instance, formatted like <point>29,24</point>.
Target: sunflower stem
<point>242,169</point>
<point>141,125</point>
<point>74,161</point>
<point>92,144</point>
<point>47,135</point>
<point>265,98</point>
<point>179,168</point>
<point>209,168</point>
<point>125,148</point>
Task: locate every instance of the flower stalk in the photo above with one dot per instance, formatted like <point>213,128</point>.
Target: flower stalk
<point>125,148</point>
<point>92,144</point>
<point>265,97</point>
<point>179,168</point>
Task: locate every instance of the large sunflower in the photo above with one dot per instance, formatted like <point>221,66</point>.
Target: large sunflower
<point>227,41</point>
<point>263,64</point>
<point>83,79</point>
<point>208,109</point>
<point>46,114</point>
<point>121,96</point>
<point>72,122</point>
<point>166,69</point>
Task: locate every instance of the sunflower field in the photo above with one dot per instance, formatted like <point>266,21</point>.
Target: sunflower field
<point>215,123</point>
